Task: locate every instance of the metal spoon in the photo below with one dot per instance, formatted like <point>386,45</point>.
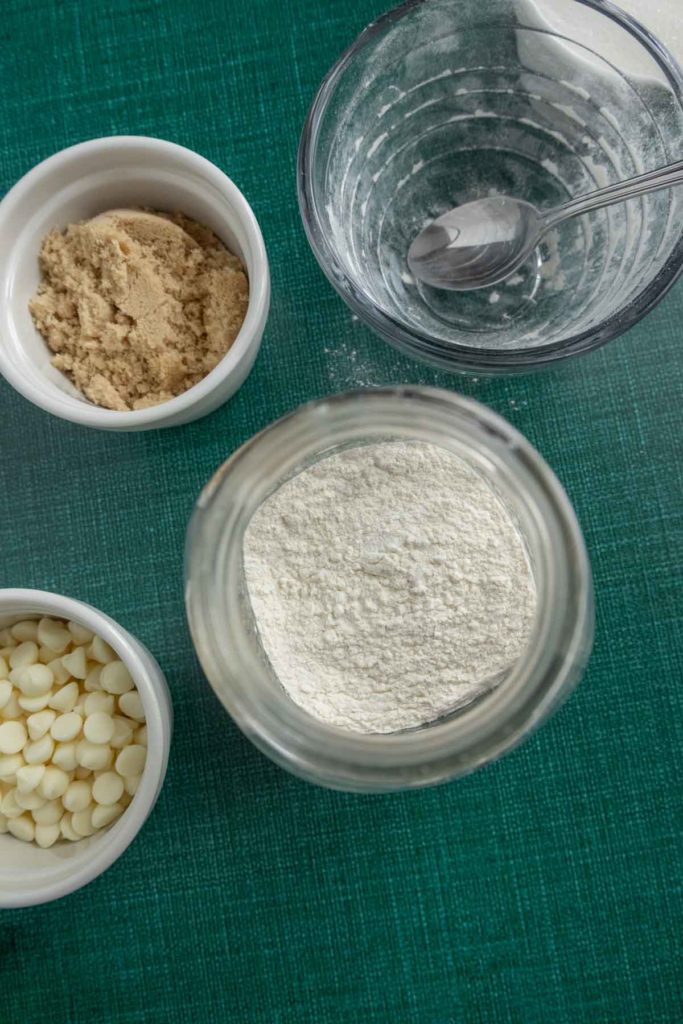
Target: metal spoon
<point>485,241</point>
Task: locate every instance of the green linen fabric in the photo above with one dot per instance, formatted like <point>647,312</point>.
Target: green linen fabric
<point>545,889</point>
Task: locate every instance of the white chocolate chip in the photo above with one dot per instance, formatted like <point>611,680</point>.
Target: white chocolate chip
<point>33,704</point>
<point>66,727</point>
<point>35,680</point>
<point>92,680</point>
<point>107,788</point>
<point>95,756</point>
<point>53,634</point>
<point>29,801</point>
<point>9,766</point>
<point>66,828</point>
<point>6,638</point>
<point>9,806</point>
<point>4,823</point>
<point>29,776</point>
<point>123,732</point>
<point>131,784</point>
<point>49,814</point>
<point>131,760</point>
<point>22,828</point>
<point>4,668</point>
<point>59,671</point>
<point>81,634</point>
<point>99,701</point>
<point>103,815</point>
<point>12,708</point>
<point>75,663</point>
<point>141,736</point>
<point>116,678</point>
<point>24,655</point>
<point>27,629</point>
<point>46,835</point>
<point>77,797</point>
<point>98,728</point>
<point>65,699</point>
<point>39,751</point>
<point>13,737</point>
<point>65,757</point>
<point>54,783</point>
<point>130,704</point>
<point>40,723</point>
<point>100,650</point>
<point>81,822</point>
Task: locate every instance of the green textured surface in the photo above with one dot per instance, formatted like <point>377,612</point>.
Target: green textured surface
<point>546,888</point>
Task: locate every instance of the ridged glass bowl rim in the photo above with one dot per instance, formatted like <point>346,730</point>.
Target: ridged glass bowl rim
<point>449,355</point>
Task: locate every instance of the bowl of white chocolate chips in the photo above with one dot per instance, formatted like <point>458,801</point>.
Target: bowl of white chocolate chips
<point>85,726</point>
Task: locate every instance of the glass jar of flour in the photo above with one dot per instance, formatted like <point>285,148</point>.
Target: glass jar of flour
<point>388,589</point>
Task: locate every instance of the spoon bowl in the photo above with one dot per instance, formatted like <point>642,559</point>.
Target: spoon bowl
<point>475,245</point>
<point>483,242</point>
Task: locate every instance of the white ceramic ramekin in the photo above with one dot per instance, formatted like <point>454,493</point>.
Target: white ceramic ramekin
<point>29,875</point>
<point>79,182</point>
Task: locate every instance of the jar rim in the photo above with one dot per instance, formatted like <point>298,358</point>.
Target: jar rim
<point>228,650</point>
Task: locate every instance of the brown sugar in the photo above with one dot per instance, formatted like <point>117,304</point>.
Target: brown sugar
<point>138,306</point>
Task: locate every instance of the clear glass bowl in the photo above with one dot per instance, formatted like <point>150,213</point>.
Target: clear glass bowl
<point>442,101</point>
<point>226,636</point>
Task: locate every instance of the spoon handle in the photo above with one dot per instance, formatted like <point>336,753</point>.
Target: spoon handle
<point>663,177</point>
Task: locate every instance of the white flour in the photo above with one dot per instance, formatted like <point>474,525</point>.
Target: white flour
<point>389,585</point>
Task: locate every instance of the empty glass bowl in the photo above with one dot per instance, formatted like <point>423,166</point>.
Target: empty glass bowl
<point>443,101</point>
